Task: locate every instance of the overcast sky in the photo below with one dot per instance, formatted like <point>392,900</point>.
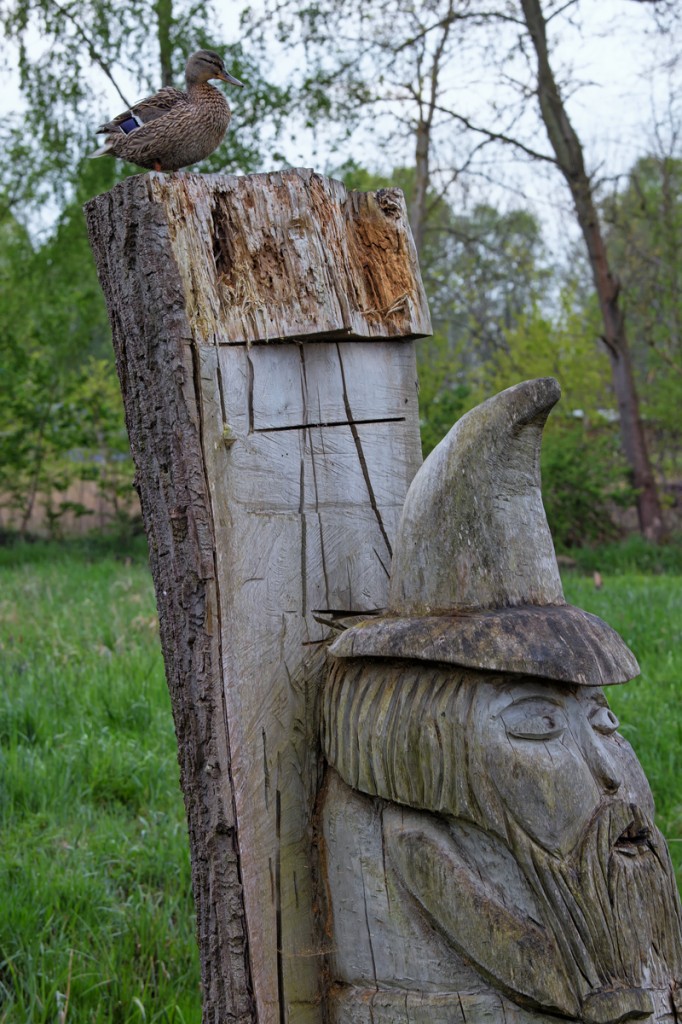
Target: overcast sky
<point>629,75</point>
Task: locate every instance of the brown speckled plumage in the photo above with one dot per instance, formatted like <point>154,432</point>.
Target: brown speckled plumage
<point>174,128</point>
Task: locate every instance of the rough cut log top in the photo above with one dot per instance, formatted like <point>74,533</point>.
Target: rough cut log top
<point>290,254</point>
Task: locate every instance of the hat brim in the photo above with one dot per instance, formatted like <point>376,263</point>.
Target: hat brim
<point>558,642</point>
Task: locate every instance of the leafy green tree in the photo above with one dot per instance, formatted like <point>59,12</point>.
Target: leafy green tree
<point>583,473</point>
<point>563,345</point>
<point>490,270</point>
<point>444,390</point>
<point>61,416</point>
<point>583,470</point>
<point>644,237</point>
<point>484,273</point>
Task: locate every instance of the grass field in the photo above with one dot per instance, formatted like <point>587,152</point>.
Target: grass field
<point>647,612</point>
<point>96,919</point>
<point>94,866</point>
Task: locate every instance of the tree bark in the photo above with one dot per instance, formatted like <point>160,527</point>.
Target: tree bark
<point>164,19</point>
<point>261,327</point>
<point>421,183</point>
<point>157,371</point>
<point>426,96</point>
<point>570,159</point>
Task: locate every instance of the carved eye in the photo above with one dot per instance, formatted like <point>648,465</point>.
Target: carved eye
<point>534,721</point>
<point>603,720</point>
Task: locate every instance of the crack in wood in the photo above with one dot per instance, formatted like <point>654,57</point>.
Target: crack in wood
<point>369,940</point>
<point>304,377</point>
<point>361,455</point>
<point>221,388</point>
<point>313,463</point>
<point>304,541</point>
<point>323,560</point>
<point>249,390</point>
<point>344,334</point>
<point>350,422</point>
<point>266,771</point>
<point>381,563</point>
<point>278,904</point>
<point>341,613</point>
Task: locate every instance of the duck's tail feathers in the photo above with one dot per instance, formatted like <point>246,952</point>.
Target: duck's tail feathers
<point>102,151</point>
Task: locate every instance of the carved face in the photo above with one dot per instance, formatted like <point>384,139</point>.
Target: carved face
<point>532,814</point>
<point>551,776</point>
<point>550,757</point>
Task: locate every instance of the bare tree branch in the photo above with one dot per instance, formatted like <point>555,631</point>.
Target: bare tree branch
<point>560,10</point>
<point>92,51</point>
<point>508,140</point>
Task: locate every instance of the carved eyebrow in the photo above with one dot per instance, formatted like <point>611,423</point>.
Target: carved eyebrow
<point>538,698</point>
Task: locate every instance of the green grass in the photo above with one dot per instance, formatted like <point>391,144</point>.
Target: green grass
<point>94,868</point>
<point>647,612</point>
<point>634,554</point>
<point>94,875</point>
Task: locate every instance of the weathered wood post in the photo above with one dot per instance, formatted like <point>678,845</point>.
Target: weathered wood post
<point>263,328</point>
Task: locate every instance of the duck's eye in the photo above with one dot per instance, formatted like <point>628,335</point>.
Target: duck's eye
<point>534,720</point>
<point>603,720</point>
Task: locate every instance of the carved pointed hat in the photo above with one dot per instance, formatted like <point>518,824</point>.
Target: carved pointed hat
<point>474,580</point>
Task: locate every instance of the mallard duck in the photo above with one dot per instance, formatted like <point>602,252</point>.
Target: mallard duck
<point>172,128</point>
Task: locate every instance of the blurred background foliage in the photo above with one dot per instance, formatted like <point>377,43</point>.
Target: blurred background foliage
<point>504,307</point>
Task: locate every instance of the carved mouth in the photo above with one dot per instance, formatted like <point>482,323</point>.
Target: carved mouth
<point>634,840</point>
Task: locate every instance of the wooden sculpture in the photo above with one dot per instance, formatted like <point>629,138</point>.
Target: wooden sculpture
<point>479,847</point>
<point>488,847</point>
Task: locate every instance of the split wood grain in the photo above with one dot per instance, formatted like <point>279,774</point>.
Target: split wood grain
<point>271,475</point>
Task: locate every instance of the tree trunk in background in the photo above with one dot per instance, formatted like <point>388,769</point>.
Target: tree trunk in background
<point>421,184</point>
<point>164,19</point>
<point>570,159</point>
<point>426,94</point>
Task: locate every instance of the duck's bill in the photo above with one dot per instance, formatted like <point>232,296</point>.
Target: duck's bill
<point>225,76</point>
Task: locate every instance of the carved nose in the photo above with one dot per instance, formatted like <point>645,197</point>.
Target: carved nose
<point>605,770</point>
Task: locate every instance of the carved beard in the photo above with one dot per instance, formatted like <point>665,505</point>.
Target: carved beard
<point>612,905</point>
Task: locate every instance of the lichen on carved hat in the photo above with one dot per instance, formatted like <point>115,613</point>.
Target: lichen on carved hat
<point>474,580</point>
